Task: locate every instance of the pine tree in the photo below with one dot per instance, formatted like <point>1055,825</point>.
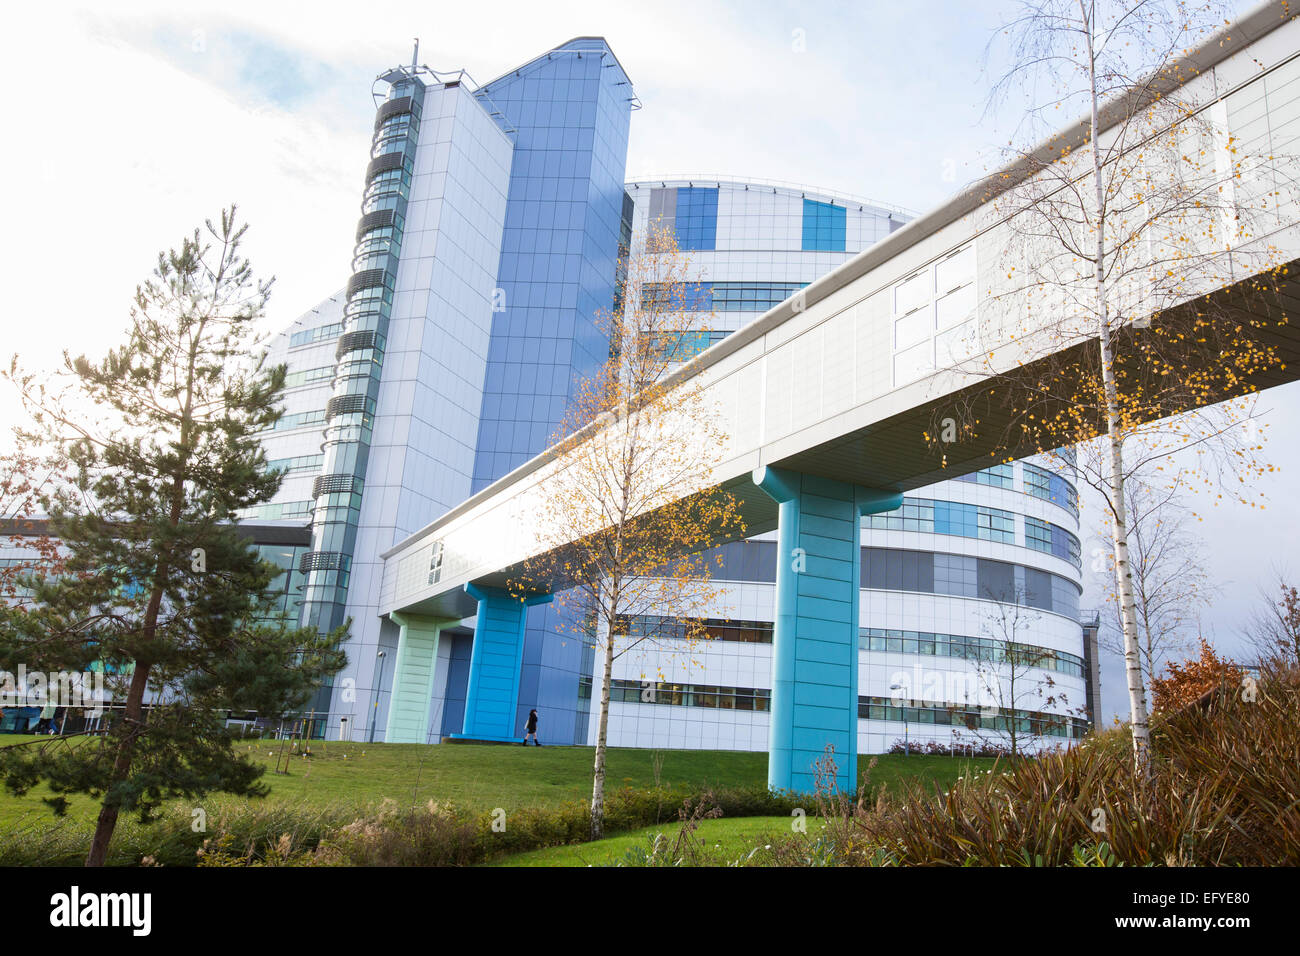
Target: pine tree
<point>159,443</point>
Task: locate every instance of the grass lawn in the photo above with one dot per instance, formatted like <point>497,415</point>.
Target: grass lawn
<point>725,840</point>
<point>478,776</point>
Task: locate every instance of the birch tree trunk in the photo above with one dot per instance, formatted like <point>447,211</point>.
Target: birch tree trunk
<point>602,732</point>
<point>1119,532</point>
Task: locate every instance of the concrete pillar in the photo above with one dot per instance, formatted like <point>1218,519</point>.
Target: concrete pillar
<point>493,690</point>
<point>815,634</point>
<point>413,675</point>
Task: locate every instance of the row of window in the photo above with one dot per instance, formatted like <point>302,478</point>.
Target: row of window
<point>948,517</point>
<point>301,419</point>
<point>752,296</point>
<point>969,648</point>
<point>685,346</point>
<point>299,463</point>
<point>933,311</point>
<point>1052,539</point>
<point>1034,722</point>
<point>1039,482</point>
<point>682,695</point>
<point>320,333</point>
<point>896,569</point>
<point>657,627</point>
<point>739,296</point>
<point>309,376</point>
<point>282,510</point>
<point>977,521</point>
<point>1044,484</point>
<point>999,476</point>
<point>962,575</point>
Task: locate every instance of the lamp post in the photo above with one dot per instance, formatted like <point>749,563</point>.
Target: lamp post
<point>374,710</point>
<point>907,747</point>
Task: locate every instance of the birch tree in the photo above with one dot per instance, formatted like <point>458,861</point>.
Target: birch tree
<point>629,515</point>
<point>1100,323</point>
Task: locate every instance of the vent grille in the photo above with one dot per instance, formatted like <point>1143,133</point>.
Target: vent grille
<point>335,485</point>
<point>373,220</point>
<point>392,108</point>
<point>383,162</point>
<point>355,342</point>
<point>324,561</point>
<point>365,280</point>
<point>345,405</point>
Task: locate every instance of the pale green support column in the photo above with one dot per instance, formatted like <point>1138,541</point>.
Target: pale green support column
<point>413,674</point>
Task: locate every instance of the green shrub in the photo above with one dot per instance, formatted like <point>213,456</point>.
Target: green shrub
<point>1221,790</point>
<point>432,835</point>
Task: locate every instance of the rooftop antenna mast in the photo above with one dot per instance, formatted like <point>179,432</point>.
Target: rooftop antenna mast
<point>415,54</point>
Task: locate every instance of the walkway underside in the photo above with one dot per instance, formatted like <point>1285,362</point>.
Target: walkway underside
<point>895,455</point>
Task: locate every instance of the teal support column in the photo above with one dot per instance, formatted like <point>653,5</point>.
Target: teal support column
<point>815,633</point>
<point>413,674</point>
<point>494,664</point>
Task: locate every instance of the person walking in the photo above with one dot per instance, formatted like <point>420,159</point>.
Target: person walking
<point>531,728</point>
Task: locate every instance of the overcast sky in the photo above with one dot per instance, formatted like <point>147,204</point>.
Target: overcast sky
<point>130,124</point>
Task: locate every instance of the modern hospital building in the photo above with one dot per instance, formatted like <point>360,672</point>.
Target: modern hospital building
<point>488,238</point>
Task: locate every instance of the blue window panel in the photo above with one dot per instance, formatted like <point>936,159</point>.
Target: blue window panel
<point>825,226</point>
<point>697,217</point>
<point>563,220</point>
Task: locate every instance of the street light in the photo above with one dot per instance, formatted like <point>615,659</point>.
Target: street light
<point>374,711</point>
<point>907,747</point>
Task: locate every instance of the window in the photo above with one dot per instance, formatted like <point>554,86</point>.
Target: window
<point>656,627</point>
<point>1039,723</point>
<point>996,581</point>
<point>697,217</point>
<point>1052,539</point>
<point>280,511</point>
<point>392,135</point>
<point>681,695</point>
<point>1044,484</point>
<point>912,328</point>
<point>301,420</point>
<point>752,296</point>
<point>999,476</point>
<point>676,297</point>
<point>309,376</point>
<point>685,346</point>
<point>995,525</point>
<point>824,226</point>
<point>301,463</point>
<point>914,362</point>
<point>975,521</point>
<point>318,334</point>
<point>956,271</point>
<point>435,563</point>
<point>913,293</point>
<point>1038,535</point>
<point>915,514</point>
<point>955,307</point>
<point>959,575</point>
